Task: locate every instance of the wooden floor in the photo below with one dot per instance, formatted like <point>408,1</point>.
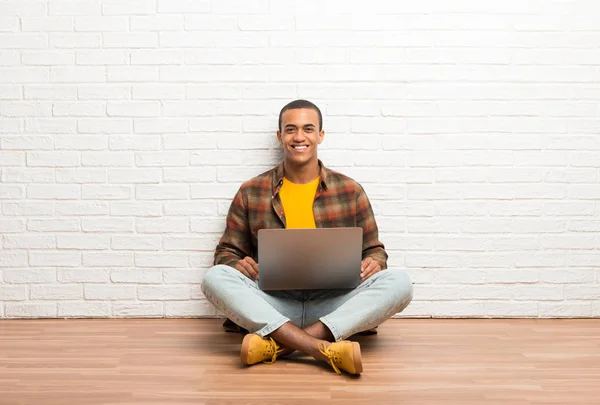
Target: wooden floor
<point>410,361</point>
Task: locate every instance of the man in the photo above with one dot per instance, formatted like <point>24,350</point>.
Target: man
<point>302,193</point>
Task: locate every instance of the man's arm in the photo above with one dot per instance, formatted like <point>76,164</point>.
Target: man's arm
<point>372,247</point>
<point>236,242</point>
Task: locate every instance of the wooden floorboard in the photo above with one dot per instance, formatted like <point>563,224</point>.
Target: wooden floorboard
<point>192,361</point>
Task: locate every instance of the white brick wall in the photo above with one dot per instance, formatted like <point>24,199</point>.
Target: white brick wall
<point>127,126</point>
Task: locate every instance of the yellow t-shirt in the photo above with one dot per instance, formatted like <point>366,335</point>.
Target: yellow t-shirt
<point>297,200</point>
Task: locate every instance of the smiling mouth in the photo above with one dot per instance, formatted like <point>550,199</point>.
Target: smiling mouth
<point>299,147</point>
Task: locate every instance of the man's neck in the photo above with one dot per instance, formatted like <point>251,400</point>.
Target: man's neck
<point>301,174</point>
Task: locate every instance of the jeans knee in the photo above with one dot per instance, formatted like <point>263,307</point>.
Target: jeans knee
<point>213,278</point>
<point>402,287</point>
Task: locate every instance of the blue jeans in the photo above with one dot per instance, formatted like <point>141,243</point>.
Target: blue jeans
<point>344,312</point>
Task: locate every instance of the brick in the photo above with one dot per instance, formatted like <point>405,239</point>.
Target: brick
<point>210,225</point>
<point>184,6</point>
<point>563,309</point>
<point>185,208</point>
<point>162,192</point>
<point>161,159</point>
<point>183,276</point>
<point>128,7</point>
<point>138,309</point>
<point>80,175</point>
<point>137,242</point>
<point>161,260</point>
<point>487,259</point>
<point>29,242</point>
<point>12,158</point>
<point>107,259</point>
<point>31,310</point>
<point>195,141</point>
<point>160,125</point>
<point>53,192</point>
<point>75,40</point>
<point>103,92</point>
<point>101,24</point>
<point>49,92</point>
<point>107,159</point>
<point>52,159</point>
<point>190,175</point>
<point>158,91</point>
<point>162,225</point>
<point>135,142</point>
<point>584,226</point>
<point>81,208</point>
<point>128,176</point>
<point>104,126</point>
<point>132,74</point>
<point>64,259</point>
<point>154,57</point>
<point>27,175</point>
<point>83,275</point>
<point>73,7</point>
<point>101,57</point>
<point>22,40</point>
<point>106,225</point>
<point>163,292</point>
<point>110,292</point>
<point>83,242</point>
<point>77,74</point>
<point>511,309</point>
<point>157,23</point>
<point>13,293</point>
<point>30,276</point>
<point>137,276</point>
<point>189,309</point>
<point>136,209</point>
<point>106,192</point>
<point>27,208</point>
<point>46,24</point>
<point>10,91</point>
<point>9,24</point>
<point>133,109</point>
<point>26,109</point>
<point>211,190</point>
<point>130,40</point>
<point>84,309</point>
<point>56,292</point>
<point>591,259</point>
<point>207,242</point>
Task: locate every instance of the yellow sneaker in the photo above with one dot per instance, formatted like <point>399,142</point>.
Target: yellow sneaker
<point>343,355</point>
<point>256,349</point>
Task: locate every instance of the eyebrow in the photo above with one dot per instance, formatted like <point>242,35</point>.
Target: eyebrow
<point>305,126</point>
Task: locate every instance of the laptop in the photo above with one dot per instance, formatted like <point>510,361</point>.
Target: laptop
<point>309,259</point>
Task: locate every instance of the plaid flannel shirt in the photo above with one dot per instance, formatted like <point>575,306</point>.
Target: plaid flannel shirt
<point>339,202</point>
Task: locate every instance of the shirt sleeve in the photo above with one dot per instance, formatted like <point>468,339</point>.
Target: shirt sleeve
<point>235,244</point>
<point>372,247</point>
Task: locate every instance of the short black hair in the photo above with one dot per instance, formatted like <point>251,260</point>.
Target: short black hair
<point>297,104</point>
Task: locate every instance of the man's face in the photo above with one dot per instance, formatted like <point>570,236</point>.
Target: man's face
<point>300,135</point>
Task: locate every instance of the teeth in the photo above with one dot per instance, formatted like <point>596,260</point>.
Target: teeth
<point>300,147</point>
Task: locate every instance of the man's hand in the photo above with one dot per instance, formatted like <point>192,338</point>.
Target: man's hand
<point>368,268</point>
<point>248,267</point>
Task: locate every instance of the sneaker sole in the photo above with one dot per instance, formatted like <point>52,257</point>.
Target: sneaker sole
<point>244,351</point>
<point>357,357</point>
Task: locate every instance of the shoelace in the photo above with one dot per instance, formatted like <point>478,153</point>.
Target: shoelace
<point>333,356</point>
<point>272,352</point>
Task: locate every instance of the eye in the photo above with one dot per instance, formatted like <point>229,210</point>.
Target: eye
<point>309,129</point>
<point>290,130</point>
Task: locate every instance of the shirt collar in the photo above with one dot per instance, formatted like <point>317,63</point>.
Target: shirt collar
<point>278,175</point>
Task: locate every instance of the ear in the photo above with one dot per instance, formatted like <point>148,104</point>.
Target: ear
<point>321,136</point>
<point>279,137</point>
